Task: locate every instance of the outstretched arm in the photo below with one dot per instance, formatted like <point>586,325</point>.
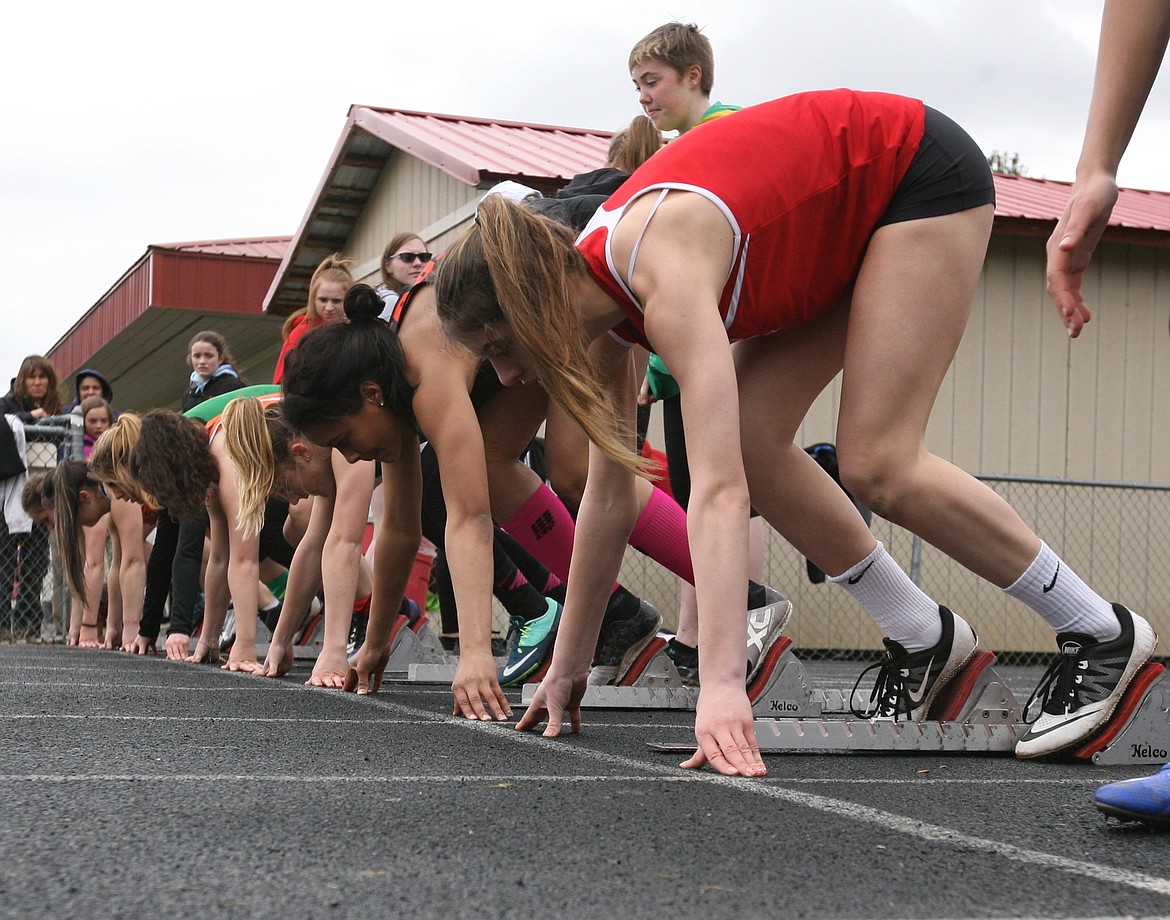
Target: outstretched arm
<point>340,557</point>
<point>393,558</point>
<point>609,508</point>
<point>442,404</point>
<point>1133,39</point>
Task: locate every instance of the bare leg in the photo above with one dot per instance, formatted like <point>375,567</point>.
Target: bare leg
<point>910,307</point>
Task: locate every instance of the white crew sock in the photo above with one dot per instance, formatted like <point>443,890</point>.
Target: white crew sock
<point>900,607</point>
<point>1051,588</point>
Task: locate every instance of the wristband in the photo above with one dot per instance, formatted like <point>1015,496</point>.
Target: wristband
<point>89,626</point>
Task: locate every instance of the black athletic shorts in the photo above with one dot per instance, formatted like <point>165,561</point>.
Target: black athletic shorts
<point>948,174</point>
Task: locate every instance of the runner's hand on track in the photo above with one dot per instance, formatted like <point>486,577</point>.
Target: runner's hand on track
<point>556,696</point>
<point>726,733</point>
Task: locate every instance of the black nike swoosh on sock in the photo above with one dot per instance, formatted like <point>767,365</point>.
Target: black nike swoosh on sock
<point>860,575</point>
<point>1052,584</point>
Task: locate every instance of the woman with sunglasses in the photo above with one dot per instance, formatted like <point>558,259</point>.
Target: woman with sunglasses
<point>820,232</point>
<point>403,260</point>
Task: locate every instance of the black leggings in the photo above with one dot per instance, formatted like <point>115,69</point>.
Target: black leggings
<point>186,547</point>
<point>173,569</point>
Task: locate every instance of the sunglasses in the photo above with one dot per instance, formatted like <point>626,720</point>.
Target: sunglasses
<point>409,257</point>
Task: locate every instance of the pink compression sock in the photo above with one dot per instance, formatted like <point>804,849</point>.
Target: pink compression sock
<point>661,533</point>
<point>544,527</point>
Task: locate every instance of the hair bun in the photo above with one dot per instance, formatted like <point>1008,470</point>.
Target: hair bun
<point>362,304</point>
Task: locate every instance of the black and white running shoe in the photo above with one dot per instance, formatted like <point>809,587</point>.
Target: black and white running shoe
<point>1080,690</point>
<point>764,626</point>
<point>908,682</point>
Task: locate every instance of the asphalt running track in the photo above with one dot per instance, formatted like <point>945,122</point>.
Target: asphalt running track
<point>136,787</point>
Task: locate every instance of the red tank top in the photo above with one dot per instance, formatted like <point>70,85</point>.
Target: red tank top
<point>802,180</point>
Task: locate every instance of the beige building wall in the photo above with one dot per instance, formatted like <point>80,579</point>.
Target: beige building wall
<point>409,196</point>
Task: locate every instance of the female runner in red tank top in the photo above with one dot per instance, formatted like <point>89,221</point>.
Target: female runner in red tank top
<point>760,255</point>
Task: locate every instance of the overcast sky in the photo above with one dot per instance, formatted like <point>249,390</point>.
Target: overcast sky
<point>126,124</point>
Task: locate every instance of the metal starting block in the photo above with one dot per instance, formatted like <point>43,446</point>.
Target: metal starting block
<point>412,645</point>
<point>1139,732</point>
<point>976,714</point>
<point>307,646</point>
<point>650,682</point>
<point>653,682</point>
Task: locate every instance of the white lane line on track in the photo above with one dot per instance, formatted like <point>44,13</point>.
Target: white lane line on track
<point>118,685</point>
<point>52,716</point>
<point>910,827</point>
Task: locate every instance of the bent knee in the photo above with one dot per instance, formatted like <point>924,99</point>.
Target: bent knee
<point>880,482</point>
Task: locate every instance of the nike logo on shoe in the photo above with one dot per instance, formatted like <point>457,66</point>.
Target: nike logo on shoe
<point>860,575</point>
<point>1052,584</point>
<point>916,697</point>
<point>522,666</point>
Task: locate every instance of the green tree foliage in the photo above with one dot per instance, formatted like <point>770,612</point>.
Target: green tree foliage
<point>1007,164</point>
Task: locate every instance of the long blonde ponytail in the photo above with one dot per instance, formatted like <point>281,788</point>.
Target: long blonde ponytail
<point>256,440</point>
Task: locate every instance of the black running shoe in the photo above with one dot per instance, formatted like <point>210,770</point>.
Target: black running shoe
<point>908,682</point>
<point>357,632</point>
<point>621,641</point>
<point>685,660</point>
<point>1080,690</point>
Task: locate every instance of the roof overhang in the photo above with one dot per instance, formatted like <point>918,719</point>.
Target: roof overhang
<point>476,151</point>
<point>137,333</point>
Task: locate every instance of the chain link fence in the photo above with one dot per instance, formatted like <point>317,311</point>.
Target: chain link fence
<point>34,601</point>
<point>1115,535</point>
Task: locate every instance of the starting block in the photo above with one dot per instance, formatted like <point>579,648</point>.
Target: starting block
<point>653,682</point>
<point>307,645</point>
<point>413,645</point>
<point>1139,732</point>
<point>976,714</point>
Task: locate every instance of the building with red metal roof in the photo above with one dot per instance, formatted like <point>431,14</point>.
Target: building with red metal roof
<point>137,332</point>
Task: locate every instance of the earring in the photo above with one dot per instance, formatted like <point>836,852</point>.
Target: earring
<point>382,404</point>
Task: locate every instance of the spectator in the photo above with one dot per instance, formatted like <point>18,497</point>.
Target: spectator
<point>403,260</point>
<point>212,368</point>
<point>327,290</point>
<point>24,543</point>
<point>89,382</point>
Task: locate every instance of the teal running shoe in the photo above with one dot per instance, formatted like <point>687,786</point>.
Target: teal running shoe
<point>534,640</point>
